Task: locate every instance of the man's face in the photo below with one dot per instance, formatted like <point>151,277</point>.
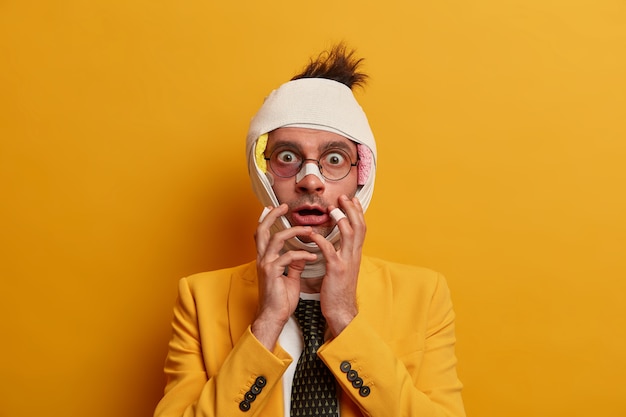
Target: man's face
<point>308,196</point>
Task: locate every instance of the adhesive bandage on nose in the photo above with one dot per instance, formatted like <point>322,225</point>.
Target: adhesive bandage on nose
<point>337,214</point>
<point>264,214</point>
<point>309,168</point>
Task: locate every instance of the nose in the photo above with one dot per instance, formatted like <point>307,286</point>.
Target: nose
<point>310,179</point>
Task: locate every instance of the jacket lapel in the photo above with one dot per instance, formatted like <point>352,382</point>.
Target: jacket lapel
<point>375,297</point>
<point>242,300</point>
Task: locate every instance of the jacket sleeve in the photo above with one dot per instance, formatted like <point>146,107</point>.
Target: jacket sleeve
<point>238,386</point>
<point>397,381</point>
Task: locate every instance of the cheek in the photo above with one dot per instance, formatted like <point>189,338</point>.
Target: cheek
<point>351,185</point>
<point>348,188</point>
<point>281,188</point>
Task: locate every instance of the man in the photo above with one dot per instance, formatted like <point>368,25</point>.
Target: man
<point>242,341</point>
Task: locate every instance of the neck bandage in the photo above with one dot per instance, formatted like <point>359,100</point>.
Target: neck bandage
<point>312,103</point>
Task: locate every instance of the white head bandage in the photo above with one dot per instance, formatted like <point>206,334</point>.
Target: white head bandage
<point>313,103</point>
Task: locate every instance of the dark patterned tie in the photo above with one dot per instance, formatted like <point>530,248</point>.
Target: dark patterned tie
<point>313,392</point>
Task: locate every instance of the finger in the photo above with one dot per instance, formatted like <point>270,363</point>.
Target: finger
<point>295,269</point>
<point>266,211</point>
<point>343,223</point>
<point>352,208</point>
<point>277,241</point>
<point>337,214</point>
<point>295,260</point>
<point>327,248</point>
<point>354,212</point>
<point>271,214</point>
<point>266,220</point>
<point>351,231</point>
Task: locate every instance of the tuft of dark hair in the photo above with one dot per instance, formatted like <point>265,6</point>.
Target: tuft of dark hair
<point>337,64</point>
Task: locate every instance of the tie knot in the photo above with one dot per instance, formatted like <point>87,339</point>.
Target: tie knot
<point>309,316</point>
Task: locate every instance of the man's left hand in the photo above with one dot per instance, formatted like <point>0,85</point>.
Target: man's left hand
<point>338,292</point>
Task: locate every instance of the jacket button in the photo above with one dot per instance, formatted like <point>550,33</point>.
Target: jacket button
<point>345,366</point>
<point>364,391</point>
<point>255,389</point>
<point>260,382</point>
<point>357,383</point>
<point>244,406</point>
<point>352,375</point>
<point>250,396</point>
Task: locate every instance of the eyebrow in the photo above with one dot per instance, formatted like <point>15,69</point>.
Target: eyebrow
<point>341,145</point>
<point>285,144</point>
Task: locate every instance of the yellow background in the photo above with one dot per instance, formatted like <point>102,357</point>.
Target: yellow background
<point>501,132</point>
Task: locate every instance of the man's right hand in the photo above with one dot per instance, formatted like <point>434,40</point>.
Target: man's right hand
<point>278,293</point>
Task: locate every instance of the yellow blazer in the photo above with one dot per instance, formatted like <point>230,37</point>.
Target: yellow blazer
<point>401,345</point>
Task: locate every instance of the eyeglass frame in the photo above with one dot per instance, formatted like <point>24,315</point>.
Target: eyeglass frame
<point>317,161</point>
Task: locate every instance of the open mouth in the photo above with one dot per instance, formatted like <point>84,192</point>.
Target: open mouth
<point>310,212</point>
<point>310,216</point>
